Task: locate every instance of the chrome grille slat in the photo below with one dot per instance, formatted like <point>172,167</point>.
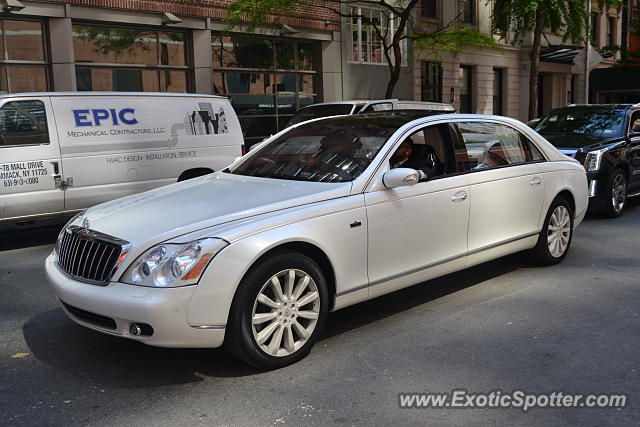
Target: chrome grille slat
<point>90,256</point>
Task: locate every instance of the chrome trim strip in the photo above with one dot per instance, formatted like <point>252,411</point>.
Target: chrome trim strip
<point>210,327</point>
<point>435,264</point>
<point>504,242</point>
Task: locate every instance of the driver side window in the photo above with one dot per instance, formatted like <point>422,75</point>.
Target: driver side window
<point>635,121</point>
<point>427,151</point>
<point>23,123</point>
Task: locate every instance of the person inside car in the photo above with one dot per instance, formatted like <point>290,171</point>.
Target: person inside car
<point>420,157</point>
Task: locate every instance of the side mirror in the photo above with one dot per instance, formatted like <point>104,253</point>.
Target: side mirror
<point>399,177</point>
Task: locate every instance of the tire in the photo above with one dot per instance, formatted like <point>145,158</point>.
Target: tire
<point>552,245</point>
<point>616,194</point>
<point>283,336</point>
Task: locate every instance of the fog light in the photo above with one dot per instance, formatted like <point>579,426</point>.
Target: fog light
<point>135,330</point>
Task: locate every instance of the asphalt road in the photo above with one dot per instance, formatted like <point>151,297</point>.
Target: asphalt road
<point>504,325</point>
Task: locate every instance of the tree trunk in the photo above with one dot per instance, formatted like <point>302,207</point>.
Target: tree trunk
<point>394,70</point>
<point>535,61</point>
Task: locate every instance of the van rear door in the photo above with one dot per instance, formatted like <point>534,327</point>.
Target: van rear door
<point>29,160</point>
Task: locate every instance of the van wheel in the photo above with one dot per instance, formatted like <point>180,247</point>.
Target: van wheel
<point>557,231</point>
<point>194,173</point>
<point>278,311</point>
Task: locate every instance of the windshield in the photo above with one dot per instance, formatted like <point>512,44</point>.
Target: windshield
<point>318,111</point>
<point>597,122</point>
<point>332,150</point>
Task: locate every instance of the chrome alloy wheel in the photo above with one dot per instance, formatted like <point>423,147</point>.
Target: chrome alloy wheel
<point>559,231</point>
<point>618,193</point>
<point>285,312</point>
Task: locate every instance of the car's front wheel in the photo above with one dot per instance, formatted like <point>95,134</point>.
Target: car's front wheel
<point>617,194</point>
<point>278,311</point>
<point>555,237</point>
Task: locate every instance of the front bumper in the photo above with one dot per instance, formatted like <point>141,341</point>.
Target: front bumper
<point>164,309</point>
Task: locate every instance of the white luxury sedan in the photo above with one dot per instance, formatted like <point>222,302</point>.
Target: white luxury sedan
<point>325,214</point>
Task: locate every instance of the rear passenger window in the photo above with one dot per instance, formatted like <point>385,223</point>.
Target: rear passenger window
<point>23,123</point>
<point>489,145</point>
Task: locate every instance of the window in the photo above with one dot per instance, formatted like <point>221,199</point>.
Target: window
<point>431,81</point>
<point>23,123</point>
<point>611,31</point>
<point>23,61</point>
<point>430,9</point>
<point>127,59</point>
<point>427,151</point>
<point>365,44</point>
<point>466,89</point>
<point>338,151</point>
<point>381,106</point>
<point>467,11</point>
<point>267,80</point>
<point>498,97</point>
<point>594,29</point>
<point>488,145</point>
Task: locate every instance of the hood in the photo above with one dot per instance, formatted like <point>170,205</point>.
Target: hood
<point>576,142</point>
<point>184,207</point>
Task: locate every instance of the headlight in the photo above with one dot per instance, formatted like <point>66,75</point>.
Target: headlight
<point>593,159</point>
<point>173,264</point>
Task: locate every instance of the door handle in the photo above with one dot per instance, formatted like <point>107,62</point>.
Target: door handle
<point>536,180</point>
<point>459,196</point>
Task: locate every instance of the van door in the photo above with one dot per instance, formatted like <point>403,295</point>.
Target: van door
<point>29,160</point>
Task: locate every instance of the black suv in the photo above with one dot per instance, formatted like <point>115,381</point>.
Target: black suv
<point>606,140</point>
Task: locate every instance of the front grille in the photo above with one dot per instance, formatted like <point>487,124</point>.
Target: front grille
<point>92,318</point>
<point>88,255</point>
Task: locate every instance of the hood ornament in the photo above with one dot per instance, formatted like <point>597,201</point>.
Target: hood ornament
<point>86,224</point>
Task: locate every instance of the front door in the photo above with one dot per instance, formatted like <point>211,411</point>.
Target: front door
<point>420,231</point>
<point>29,160</point>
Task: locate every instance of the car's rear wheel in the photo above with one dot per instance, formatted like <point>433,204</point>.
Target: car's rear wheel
<point>617,194</point>
<point>555,237</point>
<point>278,311</point>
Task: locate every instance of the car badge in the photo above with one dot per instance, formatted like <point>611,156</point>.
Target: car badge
<point>86,224</point>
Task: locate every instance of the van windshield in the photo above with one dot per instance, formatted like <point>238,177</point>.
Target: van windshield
<point>331,150</point>
<point>318,111</point>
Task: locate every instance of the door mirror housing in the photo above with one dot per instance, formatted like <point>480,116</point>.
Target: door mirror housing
<point>400,177</point>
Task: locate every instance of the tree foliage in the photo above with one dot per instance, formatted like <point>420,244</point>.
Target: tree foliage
<point>451,38</point>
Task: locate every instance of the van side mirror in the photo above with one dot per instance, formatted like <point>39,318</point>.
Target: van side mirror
<point>400,177</point>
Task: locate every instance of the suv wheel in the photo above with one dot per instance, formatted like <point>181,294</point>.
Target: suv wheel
<point>617,194</point>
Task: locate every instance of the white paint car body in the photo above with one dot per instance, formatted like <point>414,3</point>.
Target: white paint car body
<point>374,239</point>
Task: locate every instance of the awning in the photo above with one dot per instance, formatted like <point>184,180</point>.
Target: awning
<point>560,54</point>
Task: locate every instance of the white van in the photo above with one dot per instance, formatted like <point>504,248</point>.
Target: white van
<point>64,152</point>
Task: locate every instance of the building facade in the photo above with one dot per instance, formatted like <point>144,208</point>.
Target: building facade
<point>134,45</point>
<point>311,56</point>
<point>491,81</point>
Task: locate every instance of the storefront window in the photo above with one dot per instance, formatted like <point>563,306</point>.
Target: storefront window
<point>23,62</point>
<point>267,80</point>
<point>126,59</point>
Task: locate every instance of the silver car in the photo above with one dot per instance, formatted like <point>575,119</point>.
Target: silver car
<point>324,215</point>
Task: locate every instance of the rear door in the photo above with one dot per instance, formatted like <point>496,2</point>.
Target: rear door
<point>29,160</point>
<point>506,186</point>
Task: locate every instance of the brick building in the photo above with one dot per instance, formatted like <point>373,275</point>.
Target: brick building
<point>131,45</point>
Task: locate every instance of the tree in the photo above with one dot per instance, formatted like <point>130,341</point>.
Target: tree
<point>511,19</point>
<point>396,26</point>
